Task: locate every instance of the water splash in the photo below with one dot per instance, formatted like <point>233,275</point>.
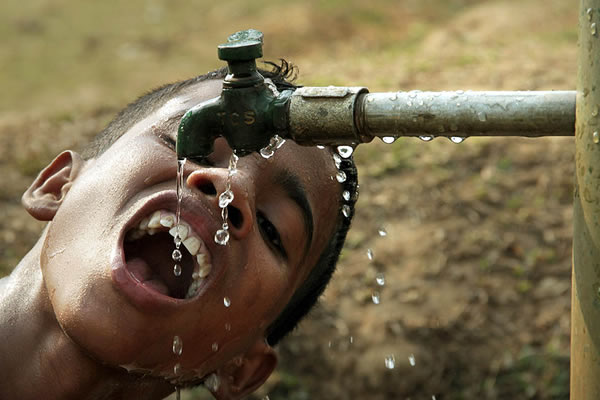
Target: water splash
<point>274,143</point>
<point>337,160</point>
<point>225,198</point>
<point>346,210</point>
<point>212,382</point>
<point>345,151</point>
<point>176,255</point>
<point>370,254</point>
<point>376,297</point>
<point>411,360</point>
<point>177,270</point>
<point>390,361</point>
<point>177,346</point>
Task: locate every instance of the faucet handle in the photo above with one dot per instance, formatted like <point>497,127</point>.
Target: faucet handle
<point>242,46</point>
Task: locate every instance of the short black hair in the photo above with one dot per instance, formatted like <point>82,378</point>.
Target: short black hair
<point>283,76</point>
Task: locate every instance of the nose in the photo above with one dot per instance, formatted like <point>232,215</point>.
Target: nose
<point>212,182</point>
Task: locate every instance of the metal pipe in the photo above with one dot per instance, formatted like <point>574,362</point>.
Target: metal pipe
<point>585,305</point>
<point>338,115</point>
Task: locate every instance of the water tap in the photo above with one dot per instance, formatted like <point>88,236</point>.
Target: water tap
<point>247,113</point>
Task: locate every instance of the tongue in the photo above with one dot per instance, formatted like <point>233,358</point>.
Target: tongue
<point>142,272</point>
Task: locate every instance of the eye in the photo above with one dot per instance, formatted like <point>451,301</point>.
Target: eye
<point>270,234</point>
<point>168,140</point>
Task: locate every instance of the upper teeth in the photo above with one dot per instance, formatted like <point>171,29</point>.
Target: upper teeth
<point>161,220</point>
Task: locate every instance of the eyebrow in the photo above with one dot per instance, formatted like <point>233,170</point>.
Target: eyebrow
<point>291,184</point>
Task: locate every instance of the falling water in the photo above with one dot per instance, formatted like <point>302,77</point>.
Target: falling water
<point>225,198</point>
<point>177,239</point>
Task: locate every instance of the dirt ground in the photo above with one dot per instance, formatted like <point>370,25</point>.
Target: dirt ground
<point>477,256</point>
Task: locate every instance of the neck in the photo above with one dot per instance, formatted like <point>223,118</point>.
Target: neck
<point>39,360</point>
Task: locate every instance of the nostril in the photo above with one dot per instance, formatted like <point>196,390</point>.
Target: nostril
<point>235,217</point>
<point>207,188</point>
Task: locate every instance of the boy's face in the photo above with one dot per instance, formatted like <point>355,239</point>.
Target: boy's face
<point>117,297</point>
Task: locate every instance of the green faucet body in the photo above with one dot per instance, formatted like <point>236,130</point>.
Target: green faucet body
<point>247,113</point>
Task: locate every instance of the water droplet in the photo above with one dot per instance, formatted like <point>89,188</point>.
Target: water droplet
<point>267,152</point>
<point>226,301</point>
<point>590,13</point>
<point>346,210</point>
<point>226,198</point>
<point>337,160</point>
<point>411,360</point>
<point>457,139</point>
<point>426,138</point>
<point>370,254</point>
<point>346,195</point>
<point>177,346</point>
<point>222,237</point>
<point>460,91</point>
<point>215,347</point>
<point>382,232</point>
<point>388,139</point>
<point>380,279</point>
<point>390,362</point>
<point>177,369</point>
<point>351,339</point>
<point>593,29</point>
<point>340,176</point>
<point>212,382</point>
<point>320,147</point>
<point>482,116</point>
<point>376,297</point>
<point>596,137</point>
<point>345,151</point>
<point>457,104</point>
<point>228,327</point>
<point>177,270</point>
<point>276,142</point>
<point>176,255</point>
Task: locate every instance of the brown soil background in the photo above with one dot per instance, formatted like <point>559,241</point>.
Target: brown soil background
<point>477,255</point>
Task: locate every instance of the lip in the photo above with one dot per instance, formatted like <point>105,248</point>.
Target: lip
<point>146,298</point>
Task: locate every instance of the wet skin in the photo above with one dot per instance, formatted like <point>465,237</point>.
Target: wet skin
<point>86,312</point>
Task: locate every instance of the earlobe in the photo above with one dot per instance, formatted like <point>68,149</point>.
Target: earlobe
<point>242,376</point>
<point>45,195</point>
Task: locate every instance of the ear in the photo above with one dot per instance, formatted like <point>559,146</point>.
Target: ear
<point>242,376</point>
<point>48,190</point>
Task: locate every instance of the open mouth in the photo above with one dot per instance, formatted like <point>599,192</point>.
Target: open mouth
<point>148,251</point>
